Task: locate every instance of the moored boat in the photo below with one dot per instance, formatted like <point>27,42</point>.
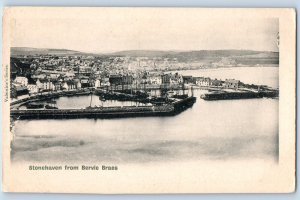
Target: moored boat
<point>34,105</point>
<point>50,107</point>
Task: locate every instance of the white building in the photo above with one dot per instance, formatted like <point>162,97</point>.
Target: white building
<point>54,76</point>
<point>21,80</point>
<point>105,82</point>
<point>69,85</point>
<point>65,86</point>
<point>32,88</point>
<point>97,83</point>
<point>176,79</point>
<point>44,84</point>
<point>40,76</point>
<point>78,85</point>
<point>201,81</point>
<point>156,80</point>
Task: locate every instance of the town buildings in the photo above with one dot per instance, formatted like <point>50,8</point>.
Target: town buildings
<point>21,80</point>
<point>54,73</point>
<point>203,81</point>
<point>232,83</point>
<point>33,88</point>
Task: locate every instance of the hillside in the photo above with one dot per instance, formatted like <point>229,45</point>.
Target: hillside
<point>199,54</point>
<point>245,57</point>
<point>40,51</point>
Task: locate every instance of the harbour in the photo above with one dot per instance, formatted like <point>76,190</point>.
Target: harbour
<point>215,128</point>
<point>163,100</point>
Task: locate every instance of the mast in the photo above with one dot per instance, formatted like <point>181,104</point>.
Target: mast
<point>91,99</point>
<point>78,71</point>
<point>135,85</point>
<point>130,87</point>
<point>192,91</point>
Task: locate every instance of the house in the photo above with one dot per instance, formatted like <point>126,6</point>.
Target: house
<point>105,82</point>
<point>84,70</point>
<point>50,67</point>
<point>202,81</point>
<point>64,85</point>
<point>44,84</point>
<point>216,83</point>
<point>144,77</point>
<point>21,90</point>
<point>97,83</point>
<point>70,74</point>
<point>54,76</point>
<point>155,79</point>
<point>78,83</point>
<point>232,83</point>
<point>187,79</point>
<point>33,88</point>
<point>21,80</point>
<point>176,79</point>
<point>127,79</point>
<point>18,90</point>
<point>84,83</point>
<point>69,85</point>
<point>39,76</point>
<point>56,85</point>
<point>179,79</point>
<point>165,78</point>
<point>115,79</point>
<point>13,91</point>
<point>91,82</point>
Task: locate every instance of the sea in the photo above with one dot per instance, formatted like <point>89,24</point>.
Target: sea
<point>211,130</point>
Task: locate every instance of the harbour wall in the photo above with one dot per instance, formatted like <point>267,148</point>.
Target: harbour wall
<point>239,95</point>
<point>106,112</point>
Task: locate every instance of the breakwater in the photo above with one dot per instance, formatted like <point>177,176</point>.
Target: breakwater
<point>239,95</point>
<point>169,109</point>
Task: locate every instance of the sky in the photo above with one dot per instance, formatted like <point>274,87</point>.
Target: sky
<point>103,32</point>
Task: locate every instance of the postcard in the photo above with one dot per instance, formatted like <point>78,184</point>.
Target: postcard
<point>148,100</point>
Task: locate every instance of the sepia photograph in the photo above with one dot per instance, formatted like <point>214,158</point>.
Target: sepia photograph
<point>167,100</point>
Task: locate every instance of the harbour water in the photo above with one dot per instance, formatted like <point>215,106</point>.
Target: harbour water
<point>215,130</point>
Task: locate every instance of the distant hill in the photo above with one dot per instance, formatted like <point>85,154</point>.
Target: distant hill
<point>143,53</point>
<point>246,57</point>
<point>242,56</point>
<point>34,51</point>
<point>200,53</point>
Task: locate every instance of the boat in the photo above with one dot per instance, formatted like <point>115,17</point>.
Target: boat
<point>182,96</point>
<point>34,105</point>
<point>230,95</point>
<point>50,107</point>
<point>70,94</point>
<point>51,102</point>
<point>171,93</point>
<point>102,98</point>
<point>83,93</point>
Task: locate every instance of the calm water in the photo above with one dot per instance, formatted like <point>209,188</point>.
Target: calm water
<point>216,130</point>
<point>84,101</point>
